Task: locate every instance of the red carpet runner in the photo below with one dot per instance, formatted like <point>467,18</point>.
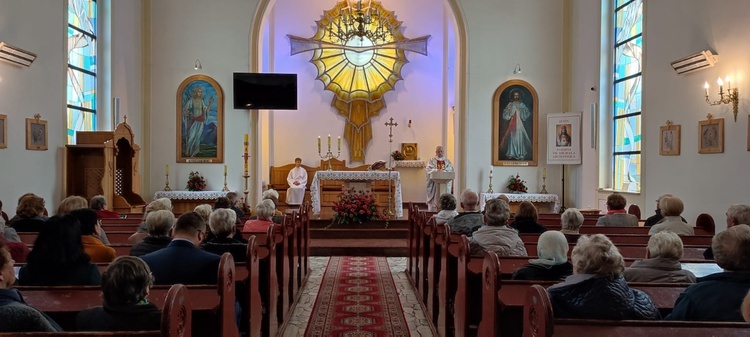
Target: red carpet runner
<point>357,297</point>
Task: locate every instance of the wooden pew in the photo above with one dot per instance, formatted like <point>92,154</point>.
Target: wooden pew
<point>617,239</point>
<point>268,282</point>
<point>500,295</point>
<point>206,300</point>
<point>539,321</point>
<point>631,250</point>
<point>175,321</point>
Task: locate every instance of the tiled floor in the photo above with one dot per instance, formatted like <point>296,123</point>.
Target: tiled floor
<point>415,317</point>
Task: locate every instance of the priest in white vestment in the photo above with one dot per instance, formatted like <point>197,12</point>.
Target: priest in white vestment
<point>297,180</point>
<point>437,163</point>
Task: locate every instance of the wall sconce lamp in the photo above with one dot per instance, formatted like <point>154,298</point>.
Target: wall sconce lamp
<point>517,69</point>
<point>15,55</point>
<point>731,96</point>
<point>198,64</point>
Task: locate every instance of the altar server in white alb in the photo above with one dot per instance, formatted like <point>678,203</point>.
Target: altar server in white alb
<point>297,180</point>
<point>437,163</point>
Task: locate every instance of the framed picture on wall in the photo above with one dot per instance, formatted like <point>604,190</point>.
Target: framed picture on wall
<point>564,138</point>
<point>3,131</point>
<point>36,133</point>
<point>711,136</point>
<point>515,119</point>
<point>200,121</point>
<point>670,140</point>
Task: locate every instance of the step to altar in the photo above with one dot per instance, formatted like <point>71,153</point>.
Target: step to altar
<point>358,247</point>
<point>367,239</point>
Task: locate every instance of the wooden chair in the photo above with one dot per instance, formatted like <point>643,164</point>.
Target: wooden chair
<point>635,210</point>
<point>706,221</point>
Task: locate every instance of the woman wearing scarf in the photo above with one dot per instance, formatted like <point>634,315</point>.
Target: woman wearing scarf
<point>552,263</point>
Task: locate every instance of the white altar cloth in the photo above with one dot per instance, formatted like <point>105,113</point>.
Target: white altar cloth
<point>190,195</point>
<point>355,176</point>
<point>521,197</point>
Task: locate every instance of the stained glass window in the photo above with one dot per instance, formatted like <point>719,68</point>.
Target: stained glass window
<point>627,81</point>
<point>81,83</point>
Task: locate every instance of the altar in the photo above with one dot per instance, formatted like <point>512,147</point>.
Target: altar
<point>356,176</point>
<point>545,203</point>
<point>185,201</point>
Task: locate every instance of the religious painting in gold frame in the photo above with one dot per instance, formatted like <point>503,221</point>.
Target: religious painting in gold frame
<point>515,119</point>
<point>3,131</point>
<point>670,140</point>
<point>711,135</point>
<point>409,150</point>
<point>200,121</point>
<point>36,133</point>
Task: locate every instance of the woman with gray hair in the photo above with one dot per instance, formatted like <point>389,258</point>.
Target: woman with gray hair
<point>552,263</point>
<point>156,205</point>
<point>447,206</point>
<point>265,211</point>
<point>99,204</point>
<point>158,226</point>
<point>597,289</point>
<point>671,208</point>
<point>571,221</point>
<point>221,222</point>
<point>662,263</point>
<point>495,235</point>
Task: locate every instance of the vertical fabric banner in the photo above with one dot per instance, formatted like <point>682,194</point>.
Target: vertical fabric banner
<point>564,138</point>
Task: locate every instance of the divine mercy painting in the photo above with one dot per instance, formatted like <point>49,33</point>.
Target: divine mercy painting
<point>200,121</point>
<point>514,122</point>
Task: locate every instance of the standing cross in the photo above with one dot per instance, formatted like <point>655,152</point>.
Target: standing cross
<point>390,126</point>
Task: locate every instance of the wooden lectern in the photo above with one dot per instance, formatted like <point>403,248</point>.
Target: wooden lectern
<point>106,163</point>
<point>442,179</point>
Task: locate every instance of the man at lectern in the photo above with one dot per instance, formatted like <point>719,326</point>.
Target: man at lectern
<point>297,180</point>
<point>437,163</point>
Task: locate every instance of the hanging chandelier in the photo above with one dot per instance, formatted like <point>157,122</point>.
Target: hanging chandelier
<point>362,23</point>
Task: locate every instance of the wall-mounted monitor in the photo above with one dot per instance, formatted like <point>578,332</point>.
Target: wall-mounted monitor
<point>265,91</point>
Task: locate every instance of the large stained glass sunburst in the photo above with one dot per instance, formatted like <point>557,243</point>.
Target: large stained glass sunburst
<point>359,51</point>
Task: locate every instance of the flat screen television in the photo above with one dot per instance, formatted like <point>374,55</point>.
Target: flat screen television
<point>265,91</point>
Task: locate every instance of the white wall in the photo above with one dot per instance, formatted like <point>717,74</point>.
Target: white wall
<point>501,34</point>
<point>217,34</point>
<point>39,27</point>
<point>707,183</point>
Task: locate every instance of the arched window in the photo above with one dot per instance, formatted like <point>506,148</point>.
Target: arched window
<point>82,67</point>
<point>626,100</point>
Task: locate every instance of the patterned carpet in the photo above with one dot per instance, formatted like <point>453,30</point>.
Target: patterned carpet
<point>357,297</point>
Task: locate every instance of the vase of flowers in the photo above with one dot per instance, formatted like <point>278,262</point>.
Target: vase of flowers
<point>355,207</point>
<point>397,155</point>
<point>196,182</point>
<point>516,184</point>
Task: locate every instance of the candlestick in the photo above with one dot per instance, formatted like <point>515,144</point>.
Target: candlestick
<point>329,155</point>
<point>318,144</point>
<point>339,143</point>
<point>544,172</point>
<point>166,169</point>
<point>329,142</point>
<point>706,87</point>
<point>721,85</point>
<point>166,178</point>
<point>225,189</point>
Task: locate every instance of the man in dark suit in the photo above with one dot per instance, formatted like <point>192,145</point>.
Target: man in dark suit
<point>182,261</point>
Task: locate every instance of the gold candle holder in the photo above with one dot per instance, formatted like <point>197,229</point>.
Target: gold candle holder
<point>166,182</point>
<point>544,186</point>
<point>225,189</point>
<point>489,190</point>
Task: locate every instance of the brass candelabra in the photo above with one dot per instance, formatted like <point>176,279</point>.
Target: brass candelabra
<point>390,211</point>
<point>329,155</point>
<point>730,97</point>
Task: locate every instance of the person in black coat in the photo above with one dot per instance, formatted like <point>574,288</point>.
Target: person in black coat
<point>158,225</point>
<point>29,214</point>
<point>222,226</point>
<point>552,263</point>
<point>597,288</point>
<point>526,219</point>
<point>125,285</point>
<point>182,261</point>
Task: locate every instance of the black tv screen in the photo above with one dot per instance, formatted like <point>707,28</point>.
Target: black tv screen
<point>265,91</point>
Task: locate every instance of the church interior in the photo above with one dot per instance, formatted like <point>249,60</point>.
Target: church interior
<point>446,83</point>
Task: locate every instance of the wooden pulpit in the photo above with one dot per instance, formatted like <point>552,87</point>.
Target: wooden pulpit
<point>106,163</point>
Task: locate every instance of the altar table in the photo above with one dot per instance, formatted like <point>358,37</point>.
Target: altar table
<point>355,176</point>
<point>185,201</point>
<point>545,203</point>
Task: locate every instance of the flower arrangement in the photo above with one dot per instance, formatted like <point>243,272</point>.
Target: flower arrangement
<point>397,155</point>
<point>355,206</point>
<point>516,184</point>
<point>196,182</point>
